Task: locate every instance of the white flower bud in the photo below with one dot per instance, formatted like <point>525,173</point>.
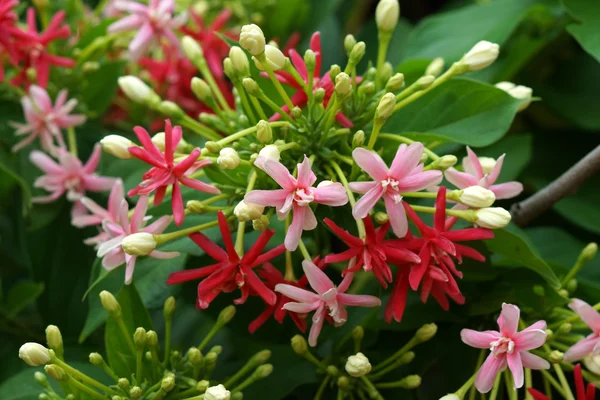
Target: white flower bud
<point>450,396</point>
<point>228,158</point>
<point>487,164</point>
<point>482,55</point>
<point>191,49</point>
<point>275,58</point>
<point>522,93</point>
<point>110,303</point>
<point>34,354</point>
<point>436,67</point>
<point>138,91</point>
<point>139,244</point>
<point>395,83</point>
<point>247,211</point>
<point>447,161</point>
<point>217,393</point>
<point>117,146</point>
<point>201,89</point>
<point>592,362</point>
<point>506,86</point>
<point>425,81</point>
<point>358,365</point>
<point>239,61</point>
<point>477,197</point>
<point>53,337</point>
<point>264,132</point>
<point>271,152</point>
<point>385,108</point>
<point>252,39</point>
<point>492,218</point>
<point>159,141</point>
<point>343,85</point>
<point>387,14</point>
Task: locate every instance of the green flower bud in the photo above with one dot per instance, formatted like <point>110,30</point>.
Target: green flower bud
<point>407,358</point>
<point>385,108</point>
<point>556,356</point>
<point>195,206</point>
<point>589,252</point>
<point>332,370</point>
<point>539,290</point>
<point>43,396</point>
<point>136,392</point>
<point>395,83</point>
<point>358,139</point>
<point>349,42</point>
<point>263,371</point>
<point>343,85</point>
<point>334,71</point>
<point>436,67</point>
<point>175,357</point>
<point>123,384</point>
<point>168,383</point>
<point>447,161</point>
<point>213,147</point>
<point>387,70</point>
<point>371,74</point>
<point>229,69</point>
<point>412,382</point>
<point>296,112</point>
<point>381,218</point>
<point>387,14</point>
<point>139,338</point>
<point>226,315</point>
<point>357,53</point>
<point>218,349</point>
<point>252,87</point>
<point>264,132</point>
<point>261,223</point>
<point>41,379</point>
<point>151,339</point>
<point>239,61</point>
<point>171,110</point>
<point>237,396</point>
<point>425,81</point>
<point>110,304</point>
<point>319,95</point>
<point>194,356</point>
<point>54,338</point>
<point>192,50</point>
<point>310,59</point>
<point>96,359</point>
<point>426,332</point>
<point>367,88</point>
<point>201,89</point>
<point>565,328</point>
<point>343,382</point>
<point>358,333</point>
<point>56,372</point>
<point>261,357</point>
<point>299,344</point>
<point>202,386</point>
<point>572,285</point>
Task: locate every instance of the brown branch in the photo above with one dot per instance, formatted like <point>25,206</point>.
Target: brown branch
<point>568,183</point>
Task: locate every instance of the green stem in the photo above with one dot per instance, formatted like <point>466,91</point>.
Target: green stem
<point>126,334</point>
<point>303,250</point>
<point>100,7</point>
<point>199,128</point>
<point>411,343</point>
<point>384,42</point>
<point>208,76</point>
<point>564,383</point>
<point>292,71</point>
<point>168,332</point>
<point>263,60</point>
<point>258,107</point>
<point>374,134</point>
<point>276,108</point>
<point>139,366</point>
<point>165,237</point>
<point>80,376</point>
<point>464,214</point>
<point>72,141</point>
<point>571,319</point>
<point>359,223</point>
<point>371,389</point>
<point>446,76</point>
<point>80,386</point>
<point>494,393</point>
<point>239,240</point>
<point>406,140</point>
<point>553,382</point>
<point>322,388</point>
<point>245,103</point>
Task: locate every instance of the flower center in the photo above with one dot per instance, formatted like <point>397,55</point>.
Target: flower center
<point>303,197</point>
<point>390,186</point>
<point>159,20</point>
<point>502,345</point>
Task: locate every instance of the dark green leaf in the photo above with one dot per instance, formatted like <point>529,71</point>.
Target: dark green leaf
<point>100,86</point>
<point>20,295</point>
<point>586,31</point>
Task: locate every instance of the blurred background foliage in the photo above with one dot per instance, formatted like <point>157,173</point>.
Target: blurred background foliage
<point>550,46</point>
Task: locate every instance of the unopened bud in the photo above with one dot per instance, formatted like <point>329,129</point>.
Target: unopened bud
<point>343,85</point>
<point>589,252</point>
<point>299,344</point>
<point>358,365</point>
<point>117,146</point>
<point>192,49</point>
<point>296,112</point>
<point>319,95</point>
<point>556,356</point>
<point>447,161</point>
<point>34,354</point>
<point>261,223</point>
<point>261,357</point>
<point>407,358</point>
<point>381,218</point>
<point>159,142</point>
<point>139,338</point>
<point>217,393</point>
<point>151,339</point>
<point>41,379</point>
<point>310,59</point>
<point>264,132</point>
<point>411,382</point>
<point>565,328</point>
<point>334,71</point>
<point>385,108</point>
<point>436,67</point>
<point>450,396</point>
<point>123,383</point>
<point>247,211</point>
<point>226,315</point>
<point>482,55</point>
<point>169,308</point>
<point>357,53</point>
<point>201,89</point>
<point>358,139</point>
<point>252,39</point>
<point>358,333</point>
<point>194,356</point>
<point>343,382</point>
<point>476,196</point>
<point>54,338</point>
<point>202,386</point>
<point>270,152</point>
<point>395,83</point>
<point>518,92</point>
<point>425,81</point>
<point>275,59</point>
<point>139,244</point>
<point>539,290</point>
<point>230,70</point>
<point>56,372</point>
<point>367,88</point>
<point>387,70</point>
<point>136,392</point>
<point>349,42</point>
<point>228,158</point>
<point>263,371</point>
<point>213,147</point>
<point>387,14</point>
<point>168,383</point>
<point>239,61</point>
<point>426,332</point>
<point>572,285</point>
<point>492,217</point>
<point>110,304</point>
<point>332,370</point>
<point>96,359</point>
<point>218,349</point>
<point>252,87</point>
<point>138,91</point>
<point>171,110</point>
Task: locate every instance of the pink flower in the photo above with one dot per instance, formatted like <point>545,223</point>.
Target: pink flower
<point>591,344</point>
<point>405,175</point>
<point>111,252</point>
<point>45,120</point>
<point>476,175</point>
<point>296,195</point>
<point>328,301</point>
<point>152,21</point>
<point>165,172</point>
<point>99,214</point>
<point>69,176</point>
<point>508,347</point>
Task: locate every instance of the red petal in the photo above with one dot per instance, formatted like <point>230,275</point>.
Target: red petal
<point>208,246</point>
<point>192,274</point>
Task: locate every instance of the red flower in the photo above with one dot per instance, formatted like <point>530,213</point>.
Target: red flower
<point>299,98</point>
<point>32,48</point>
<point>581,391</point>
<point>165,172</point>
<point>215,49</point>
<point>436,272</point>
<point>8,17</point>
<point>372,253</point>
<point>230,271</point>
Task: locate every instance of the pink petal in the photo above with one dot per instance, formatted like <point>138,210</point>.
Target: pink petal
<point>45,163</point>
<point>474,164</point>
<point>495,172</point>
<point>488,372</point>
<point>98,183</point>
<point>199,185</point>
<point>479,340</point>
<point>507,190</point>
<point>539,325</point>
<point>158,226</point>
<point>367,202</point>
<point>317,325</point>
<point>529,339</point>
<point>296,293</point>
<point>113,259</point>
<point>278,172</point>
<point>138,214</point>
<point>141,41</point>
<point>85,220</point>
<point>267,198</point>
<point>92,163</point>
<point>116,196</point>
<point>345,284</point>
<point>582,348</point>
<point>406,159</point>
<point>331,195</point>
<point>40,98</point>
<point>317,279</point>
<point>508,321</point>
<point>532,361</point>
<point>362,187</point>
<point>371,163</point>
<point>301,308</point>
<point>129,268</point>
<point>397,216</point>
<point>587,313</point>
<point>516,367</point>
<point>163,255</point>
<point>358,300</point>
<point>460,179</point>
<point>306,177</point>
<point>420,181</point>
<point>294,233</point>
<point>128,23</point>
<point>310,221</point>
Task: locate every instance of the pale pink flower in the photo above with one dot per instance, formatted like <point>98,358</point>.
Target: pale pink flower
<point>508,347</point>
<point>111,252</point>
<point>296,195</point>
<point>44,120</point>
<point>590,344</point>
<point>328,299</point>
<point>69,176</point>
<point>152,21</point>
<point>405,175</point>
<point>475,175</point>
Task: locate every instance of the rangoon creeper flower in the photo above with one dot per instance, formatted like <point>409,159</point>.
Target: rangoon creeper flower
<point>247,211</point>
<point>296,195</point>
<point>483,172</point>
<point>152,21</point>
<point>217,393</point>
<point>69,176</point>
<point>117,146</point>
<point>34,354</point>
<point>482,55</point>
<point>328,299</point>
<point>228,158</point>
<point>112,253</point>
<point>165,172</point>
<point>492,217</point>
<point>405,175</point>
<point>591,344</point>
<point>518,92</point>
<point>275,58</point>
<point>45,120</point>
<point>508,348</point>
<point>8,18</point>
<point>252,39</point>
<point>358,365</point>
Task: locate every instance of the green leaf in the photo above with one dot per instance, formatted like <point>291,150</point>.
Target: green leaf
<point>461,110</point>
<point>586,31</point>
<point>20,295</point>
<point>451,34</point>
<point>513,246</point>
<point>134,314</point>
<point>100,86</point>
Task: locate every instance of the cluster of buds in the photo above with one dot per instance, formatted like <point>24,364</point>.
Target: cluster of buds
<point>155,374</point>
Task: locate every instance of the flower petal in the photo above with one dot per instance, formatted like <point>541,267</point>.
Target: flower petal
<point>581,349</point>
<point>460,179</point>
<point>279,173</point>
<point>317,279</point>
<point>508,321</point>
<point>397,216</point>
<point>306,177</point>
<point>331,195</point>
<point>488,372</point>
<point>358,300</point>
<point>529,339</point>
<point>507,190</point>
<point>296,293</point>
<point>406,159</point>
<point>367,202</point>
<point>587,313</point>
<point>516,368</point>
<point>371,163</point>
<point>532,361</point>
<point>479,340</point>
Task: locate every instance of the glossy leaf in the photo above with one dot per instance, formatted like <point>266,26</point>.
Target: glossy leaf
<point>587,13</point>
<point>20,295</point>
